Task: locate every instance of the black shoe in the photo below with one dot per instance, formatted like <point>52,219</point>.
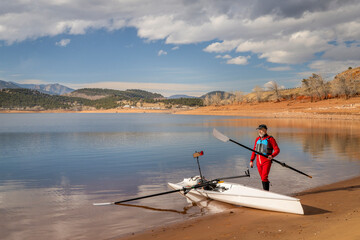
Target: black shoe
<point>266,186</point>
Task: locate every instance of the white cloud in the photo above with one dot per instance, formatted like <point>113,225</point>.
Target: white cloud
<point>63,42</point>
<point>331,68</point>
<point>270,84</point>
<point>226,56</point>
<point>162,52</point>
<point>175,48</point>
<point>224,46</point>
<point>240,60</point>
<point>342,51</point>
<point>288,32</point>
<point>32,81</point>
<point>279,69</point>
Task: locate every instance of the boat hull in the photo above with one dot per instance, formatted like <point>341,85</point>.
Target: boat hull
<point>248,197</point>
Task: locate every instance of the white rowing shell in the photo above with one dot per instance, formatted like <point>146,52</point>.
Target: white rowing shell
<point>248,197</point>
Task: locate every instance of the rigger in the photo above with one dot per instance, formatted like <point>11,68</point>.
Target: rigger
<point>267,145</point>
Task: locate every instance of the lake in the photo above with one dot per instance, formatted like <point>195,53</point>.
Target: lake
<point>54,166</point>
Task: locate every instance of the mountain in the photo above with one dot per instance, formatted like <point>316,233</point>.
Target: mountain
<point>4,84</point>
<point>28,99</point>
<point>180,96</point>
<point>220,93</point>
<point>99,93</point>
<point>52,89</point>
<point>22,98</point>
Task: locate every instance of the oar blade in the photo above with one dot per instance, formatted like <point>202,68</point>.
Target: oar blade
<point>103,204</point>
<point>220,136</point>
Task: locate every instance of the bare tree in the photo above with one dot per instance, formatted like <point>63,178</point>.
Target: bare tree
<point>232,99</point>
<point>274,88</point>
<point>238,96</point>
<point>207,100</point>
<point>216,99</point>
<point>342,86</point>
<point>315,87</point>
<point>258,92</point>
<point>226,99</point>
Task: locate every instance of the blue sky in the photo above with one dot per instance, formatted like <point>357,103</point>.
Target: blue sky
<point>180,47</point>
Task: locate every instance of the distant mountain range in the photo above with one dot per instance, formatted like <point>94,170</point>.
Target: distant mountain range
<point>52,89</point>
<point>180,96</point>
<point>100,93</point>
<point>86,98</point>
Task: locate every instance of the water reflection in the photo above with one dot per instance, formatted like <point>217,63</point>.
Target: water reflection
<point>55,166</point>
<point>318,137</point>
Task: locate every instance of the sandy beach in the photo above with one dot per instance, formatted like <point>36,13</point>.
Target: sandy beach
<point>336,108</point>
<point>331,212</point>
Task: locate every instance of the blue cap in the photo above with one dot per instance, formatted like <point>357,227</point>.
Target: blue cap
<point>262,126</point>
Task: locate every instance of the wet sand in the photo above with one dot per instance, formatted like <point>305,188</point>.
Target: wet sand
<point>331,212</point>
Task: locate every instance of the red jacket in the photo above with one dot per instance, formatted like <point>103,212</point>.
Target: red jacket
<point>267,142</point>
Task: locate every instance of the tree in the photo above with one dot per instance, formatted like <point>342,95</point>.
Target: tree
<point>274,88</point>
<point>215,99</point>
<point>207,100</point>
<point>226,100</point>
<point>315,87</point>
<point>342,86</point>
<point>258,93</point>
<point>238,97</point>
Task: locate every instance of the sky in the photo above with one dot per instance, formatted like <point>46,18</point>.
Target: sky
<point>177,46</point>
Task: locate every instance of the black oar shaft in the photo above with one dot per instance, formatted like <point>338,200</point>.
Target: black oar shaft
<point>285,165</point>
<point>152,195</point>
<point>281,163</point>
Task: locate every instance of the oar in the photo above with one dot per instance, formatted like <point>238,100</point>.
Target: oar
<point>133,199</point>
<point>224,138</point>
<point>184,189</point>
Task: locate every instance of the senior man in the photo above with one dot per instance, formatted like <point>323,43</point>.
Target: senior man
<point>266,145</point>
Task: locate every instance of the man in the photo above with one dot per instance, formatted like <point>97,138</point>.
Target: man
<point>267,145</point>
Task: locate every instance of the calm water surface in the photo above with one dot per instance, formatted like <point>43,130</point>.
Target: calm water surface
<point>54,166</point>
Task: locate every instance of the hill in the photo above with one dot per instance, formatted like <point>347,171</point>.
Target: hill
<point>180,96</point>
<point>99,93</point>
<point>52,89</point>
<point>22,98</point>
<point>4,84</point>
<point>221,94</point>
<point>353,73</point>
<point>27,99</point>
<point>33,100</point>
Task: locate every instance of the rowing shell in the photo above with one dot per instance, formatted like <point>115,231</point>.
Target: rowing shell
<point>238,194</point>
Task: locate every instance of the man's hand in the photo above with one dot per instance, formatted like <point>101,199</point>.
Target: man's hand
<point>251,164</point>
<point>270,157</point>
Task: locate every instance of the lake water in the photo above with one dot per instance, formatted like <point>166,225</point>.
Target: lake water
<point>54,166</point>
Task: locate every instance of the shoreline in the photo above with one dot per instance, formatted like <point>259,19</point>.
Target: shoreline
<point>331,212</point>
<point>341,109</point>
